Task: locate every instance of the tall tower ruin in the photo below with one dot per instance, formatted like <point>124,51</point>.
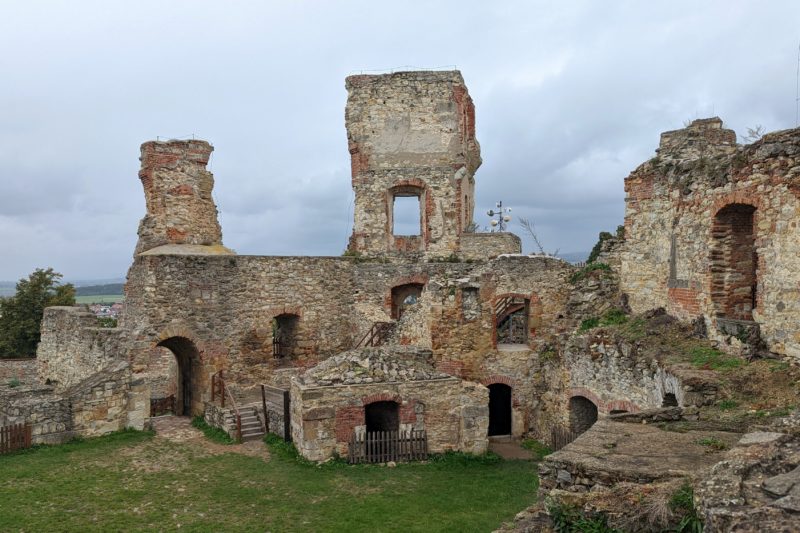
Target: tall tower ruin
<point>411,135</point>
<point>177,189</point>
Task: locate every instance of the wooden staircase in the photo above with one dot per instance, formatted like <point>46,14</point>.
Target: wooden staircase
<point>252,427</point>
<point>377,335</point>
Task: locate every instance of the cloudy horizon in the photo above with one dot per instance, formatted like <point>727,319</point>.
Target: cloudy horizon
<point>569,100</point>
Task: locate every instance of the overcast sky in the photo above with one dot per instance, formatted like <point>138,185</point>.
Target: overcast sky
<point>570,97</point>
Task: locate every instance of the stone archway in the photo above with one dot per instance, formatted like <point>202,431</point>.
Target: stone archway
<point>188,397</point>
<point>582,414</point>
<point>499,409</point>
<point>404,296</point>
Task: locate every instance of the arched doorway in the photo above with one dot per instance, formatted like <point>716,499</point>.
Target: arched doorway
<point>382,416</point>
<point>403,297</point>
<point>188,400</point>
<point>734,262</point>
<point>582,414</point>
<point>670,400</point>
<point>499,409</point>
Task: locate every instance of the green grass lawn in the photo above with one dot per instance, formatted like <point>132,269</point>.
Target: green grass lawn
<point>131,482</point>
<point>99,299</point>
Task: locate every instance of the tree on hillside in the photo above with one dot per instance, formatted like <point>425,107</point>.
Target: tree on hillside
<point>21,314</point>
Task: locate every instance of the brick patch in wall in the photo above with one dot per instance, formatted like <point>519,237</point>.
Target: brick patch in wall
<point>685,299</point>
<point>347,418</point>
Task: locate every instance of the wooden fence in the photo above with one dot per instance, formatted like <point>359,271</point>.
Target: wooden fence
<point>162,406</point>
<point>15,437</point>
<point>561,436</point>
<point>385,446</point>
<point>277,401</point>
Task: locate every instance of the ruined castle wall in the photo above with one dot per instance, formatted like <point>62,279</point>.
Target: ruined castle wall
<point>454,415</point>
<point>73,348</point>
<point>411,134</point>
<point>106,401</point>
<point>225,305</point>
<point>614,377</point>
<point>672,256</point>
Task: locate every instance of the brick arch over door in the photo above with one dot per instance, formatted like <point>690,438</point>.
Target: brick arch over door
<point>417,279</point>
<point>505,380</point>
<point>604,407</point>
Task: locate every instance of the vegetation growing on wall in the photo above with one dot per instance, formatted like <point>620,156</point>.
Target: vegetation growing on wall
<point>604,236</point>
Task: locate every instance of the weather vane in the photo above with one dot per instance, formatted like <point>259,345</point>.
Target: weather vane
<point>503,217</point>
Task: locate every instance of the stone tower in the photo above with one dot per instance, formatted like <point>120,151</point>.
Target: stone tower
<point>177,189</point>
<point>411,135</point>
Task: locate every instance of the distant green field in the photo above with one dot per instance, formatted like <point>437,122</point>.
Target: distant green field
<point>99,299</point>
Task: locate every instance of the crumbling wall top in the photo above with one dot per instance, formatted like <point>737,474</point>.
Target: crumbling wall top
<point>410,119</point>
<point>705,134</point>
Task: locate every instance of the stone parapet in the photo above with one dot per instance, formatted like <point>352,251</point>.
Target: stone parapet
<point>482,246</point>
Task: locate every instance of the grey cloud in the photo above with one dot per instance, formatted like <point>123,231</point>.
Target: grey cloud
<point>570,98</point>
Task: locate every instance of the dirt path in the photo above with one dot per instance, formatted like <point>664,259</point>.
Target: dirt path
<point>179,429</point>
<point>508,448</point>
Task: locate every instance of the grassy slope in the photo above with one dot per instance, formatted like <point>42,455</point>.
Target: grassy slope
<point>105,485</point>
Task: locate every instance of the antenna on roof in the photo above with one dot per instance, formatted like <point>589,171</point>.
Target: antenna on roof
<point>797,92</point>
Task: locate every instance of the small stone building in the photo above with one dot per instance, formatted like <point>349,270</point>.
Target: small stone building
<point>393,388</point>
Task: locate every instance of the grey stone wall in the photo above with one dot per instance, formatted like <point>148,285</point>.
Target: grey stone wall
<point>73,348</point>
<point>49,414</point>
<point>481,246</point>
<point>109,400</point>
<point>22,370</point>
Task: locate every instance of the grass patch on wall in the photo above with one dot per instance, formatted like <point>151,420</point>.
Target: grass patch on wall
<point>713,359</point>
<point>588,269</point>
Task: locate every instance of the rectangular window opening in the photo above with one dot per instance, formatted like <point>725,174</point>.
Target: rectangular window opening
<point>406,218</point>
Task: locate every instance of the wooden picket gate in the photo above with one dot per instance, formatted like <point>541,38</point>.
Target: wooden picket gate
<point>561,436</point>
<point>385,446</point>
<point>15,437</point>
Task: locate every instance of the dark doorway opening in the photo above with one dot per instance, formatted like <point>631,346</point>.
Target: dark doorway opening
<point>284,335</point>
<point>188,399</point>
<point>670,400</point>
<point>403,297</point>
<point>734,262</point>
<point>499,409</point>
<point>582,414</point>
<point>382,416</point>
